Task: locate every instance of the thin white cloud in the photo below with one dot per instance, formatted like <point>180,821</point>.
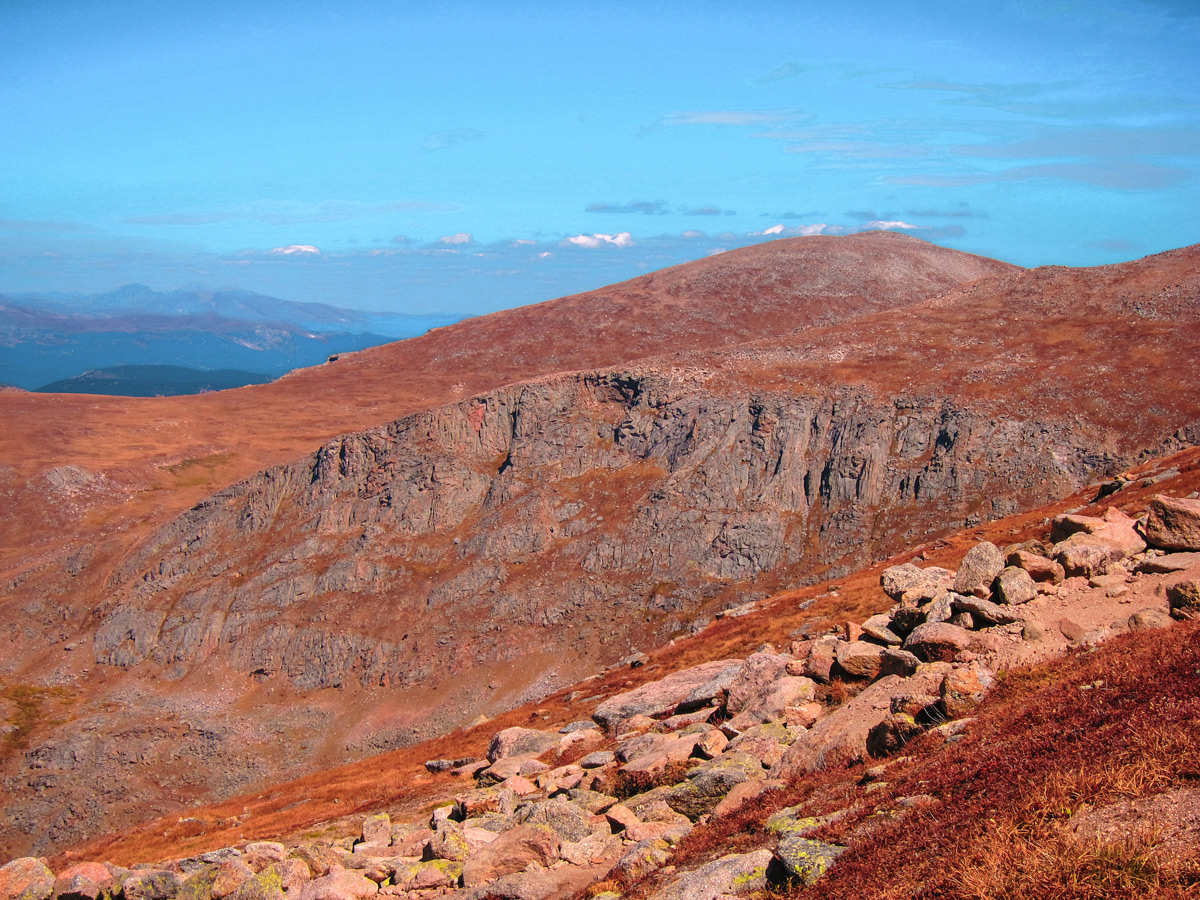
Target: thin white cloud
<point>880,225</point>
<point>296,249</point>
<point>735,117</point>
<point>450,137</point>
<point>792,231</point>
<point>624,239</point>
<point>463,237</point>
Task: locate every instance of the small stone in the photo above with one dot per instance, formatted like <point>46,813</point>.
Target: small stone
<point>1040,568</point>
<point>985,610</point>
<point>805,860</point>
<point>963,688</point>
<point>878,628</point>
<point>598,758</point>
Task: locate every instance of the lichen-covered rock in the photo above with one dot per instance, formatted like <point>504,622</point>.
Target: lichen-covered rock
<point>559,815</point>
<point>1184,598</point>
<point>964,688</point>
<point>426,875</point>
<point>266,885</point>
<point>894,661</point>
<point>740,873</point>
<point>26,878</point>
<point>1014,586</point>
<point>979,569</point>
<point>151,884</point>
<point>805,860</point>
<point>898,580</point>
<point>643,858</point>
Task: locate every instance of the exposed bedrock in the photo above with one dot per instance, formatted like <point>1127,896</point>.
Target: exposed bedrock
<point>624,504</point>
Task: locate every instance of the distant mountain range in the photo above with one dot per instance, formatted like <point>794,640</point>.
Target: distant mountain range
<point>48,338</point>
<point>152,381</point>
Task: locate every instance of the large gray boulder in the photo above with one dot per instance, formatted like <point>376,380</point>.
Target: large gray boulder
<point>1173,524</point>
<point>979,569</point>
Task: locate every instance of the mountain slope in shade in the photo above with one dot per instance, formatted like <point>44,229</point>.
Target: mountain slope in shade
<point>152,381</point>
<point>46,339</point>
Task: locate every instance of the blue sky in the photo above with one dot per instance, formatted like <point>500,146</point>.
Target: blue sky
<point>470,156</point>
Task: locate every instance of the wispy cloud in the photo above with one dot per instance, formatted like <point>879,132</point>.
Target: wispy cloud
<point>460,239</point>
<point>296,250</point>
<point>646,207</point>
<point>450,137</point>
<point>591,241</point>
<point>787,70</point>
<point>709,211</point>
<point>33,226</point>
<point>895,225</point>
<point>795,230</point>
<point>735,117</point>
<point>1126,175</point>
<point>286,213</point>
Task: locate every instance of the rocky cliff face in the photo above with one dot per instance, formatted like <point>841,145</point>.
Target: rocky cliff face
<point>623,504</point>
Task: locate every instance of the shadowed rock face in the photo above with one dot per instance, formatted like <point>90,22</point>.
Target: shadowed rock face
<point>472,556</point>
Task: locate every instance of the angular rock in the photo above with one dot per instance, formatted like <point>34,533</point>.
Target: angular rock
<point>741,873</point>
<point>1014,586</point>
<point>894,661</point>
<point>1169,564</point>
<point>1084,554</point>
<point>713,690</point>
<point>803,716</point>
<point>517,741</point>
<point>785,691</point>
<point>643,858</point>
<point>941,609</point>
<point>511,852</point>
<point>230,876</point>
<point>858,659</point>
<point>26,878</point>
<point>840,738</point>
<point>937,642</point>
<point>597,758</point>
<point>911,580</point>
<point>707,786</point>
<point>1039,567</point>
<point>151,884</point>
<point>448,843</point>
<point>877,628</point>
<point>890,735</point>
<point>755,680</point>
<point>591,801</point>
<point>426,875</point>
<point>343,885</point>
<point>805,860</point>
<point>660,697</point>
<point>376,829</point>
<point>1172,523</point>
<point>559,815</point>
<point>83,881</point>
<point>906,617</point>
<point>266,885</point>
<point>964,688</point>
<point>1150,618</point>
<point>1184,598</point>
<point>979,569</point>
<point>986,611</point>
